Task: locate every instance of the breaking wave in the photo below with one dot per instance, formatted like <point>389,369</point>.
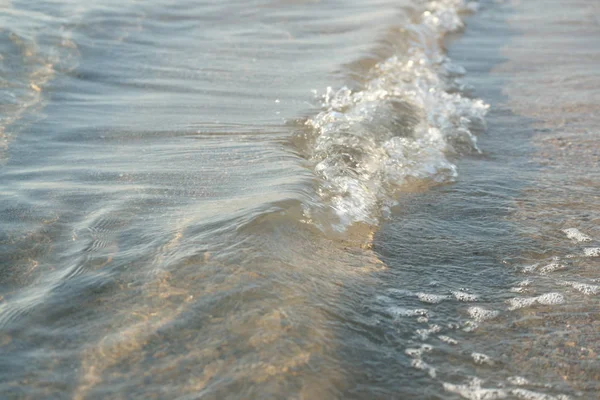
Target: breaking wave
<point>405,124</point>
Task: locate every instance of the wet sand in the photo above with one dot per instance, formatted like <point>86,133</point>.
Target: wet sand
<point>553,79</point>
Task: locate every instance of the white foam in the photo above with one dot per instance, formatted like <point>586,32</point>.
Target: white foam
<point>518,289</point>
<point>518,381</point>
<point>583,287</point>
<point>417,355</point>
<point>360,156</point>
<point>453,325</point>
<point>551,299</point>
<point>529,268</point>
<point>481,359</point>
<point>520,302</point>
<point>576,235</point>
<point>418,352</point>
<point>474,391</point>
<point>422,365</point>
<point>431,298</point>
<point>407,312</point>
<point>592,251</point>
<point>531,395</point>
<point>448,339</point>
<point>424,333</point>
<point>545,299</point>
<point>480,314</point>
<point>464,296</point>
<point>553,266</point>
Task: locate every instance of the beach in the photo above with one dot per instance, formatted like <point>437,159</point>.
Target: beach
<point>300,199</point>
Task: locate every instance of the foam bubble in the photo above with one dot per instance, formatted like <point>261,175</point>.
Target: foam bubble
<point>520,302</point>
<point>518,289</point>
<point>448,339</point>
<point>553,266</point>
<point>481,359</point>
<point>417,362</point>
<point>361,154</point>
<point>424,333</point>
<point>422,365</point>
<point>431,298</point>
<point>545,299</point>
<point>583,287</point>
<point>464,296</point>
<point>576,235</point>
<point>480,314</point>
<point>517,381</point>
<point>474,391</point>
<point>592,252</point>
<point>407,312</point>
<point>418,352</point>
<point>529,268</point>
<point>413,352</point>
<point>531,395</point>
<point>551,299</point>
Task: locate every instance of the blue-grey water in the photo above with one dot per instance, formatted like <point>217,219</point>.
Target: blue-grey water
<point>296,199</point>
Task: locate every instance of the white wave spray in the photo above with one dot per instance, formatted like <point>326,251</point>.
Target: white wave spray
<point>401,126</point>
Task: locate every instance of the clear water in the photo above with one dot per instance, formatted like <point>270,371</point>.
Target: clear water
<point>299,199</point>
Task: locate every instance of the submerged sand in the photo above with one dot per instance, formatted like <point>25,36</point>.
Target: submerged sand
<point>553,75</point>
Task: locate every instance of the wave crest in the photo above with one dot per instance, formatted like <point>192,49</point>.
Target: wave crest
<point>403,125</point>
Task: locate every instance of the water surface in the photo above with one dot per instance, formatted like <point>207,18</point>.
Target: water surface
<point>297,199</point>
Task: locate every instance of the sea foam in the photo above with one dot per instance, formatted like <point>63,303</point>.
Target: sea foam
<point>399,127</point>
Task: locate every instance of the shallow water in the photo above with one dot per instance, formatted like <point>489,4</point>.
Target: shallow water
<point>299,199</point>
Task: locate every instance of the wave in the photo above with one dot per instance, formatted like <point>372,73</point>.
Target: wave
<point>405,124</point>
